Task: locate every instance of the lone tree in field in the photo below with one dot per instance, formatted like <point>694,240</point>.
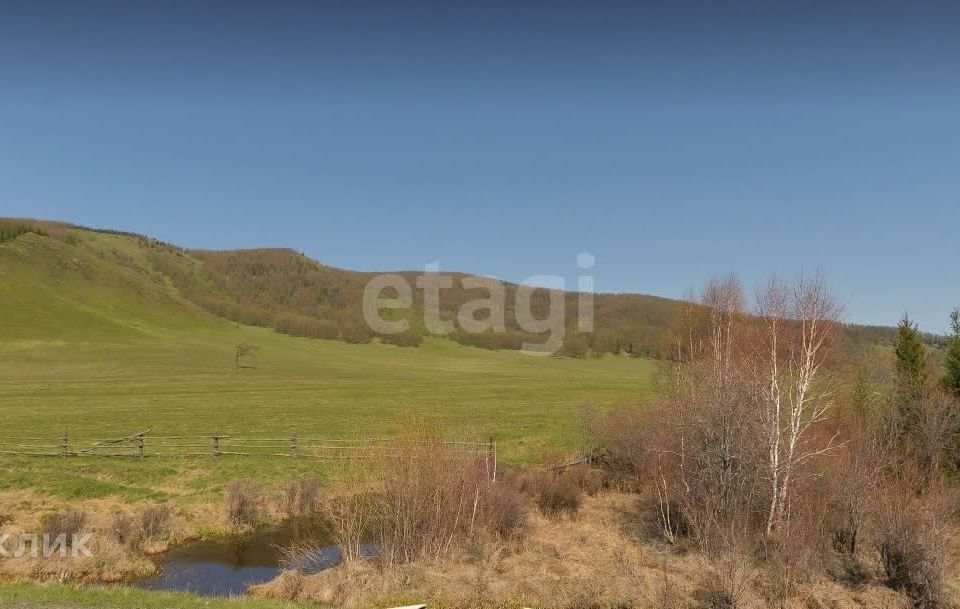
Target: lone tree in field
<point>952,378</point>
<point>911,370</point>
<point>244,350</point>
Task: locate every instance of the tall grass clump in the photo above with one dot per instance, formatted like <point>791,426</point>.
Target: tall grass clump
<point>245,505</point>
<point>155,521</point>
<point>302,498</point>
<point>124,528</point>
<point>70,524</point>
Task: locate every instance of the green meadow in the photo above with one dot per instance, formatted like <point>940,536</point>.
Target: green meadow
<point>26,595</point>
<point>95,343</point>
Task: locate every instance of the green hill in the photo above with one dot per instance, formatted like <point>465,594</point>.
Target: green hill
<point>286,291</point>
<point>97,341</point>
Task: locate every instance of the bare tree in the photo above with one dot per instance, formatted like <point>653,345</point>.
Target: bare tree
<point>938,414</point>
<point>798,324</point>
<point>705,453</point>
<point>858,473</point>
<point>244,350</point>
<point>724,299</point>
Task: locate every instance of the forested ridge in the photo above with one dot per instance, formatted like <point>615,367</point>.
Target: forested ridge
<point>286,290</point>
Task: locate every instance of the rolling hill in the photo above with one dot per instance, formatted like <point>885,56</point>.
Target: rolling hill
<point>97,342</point>
<point>287,291</point>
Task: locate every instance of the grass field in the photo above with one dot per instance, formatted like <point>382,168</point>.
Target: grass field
<point>57,596</point>
<point>93,342</point>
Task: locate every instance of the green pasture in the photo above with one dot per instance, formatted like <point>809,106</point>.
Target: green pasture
<point>95,343</point>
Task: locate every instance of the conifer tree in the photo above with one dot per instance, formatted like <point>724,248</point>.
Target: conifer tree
<point>952,378</point>
<point>911,362</point>
<point>911,353</point>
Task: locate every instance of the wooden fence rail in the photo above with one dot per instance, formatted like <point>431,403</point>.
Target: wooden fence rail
<point>144,444</point>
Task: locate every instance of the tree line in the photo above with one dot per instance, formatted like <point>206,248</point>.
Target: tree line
<point>295,295</point>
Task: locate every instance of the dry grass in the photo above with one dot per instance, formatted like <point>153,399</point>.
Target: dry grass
<point>155,521</point>
<point>302,498</point>
<point>245,504</point>
<point>124,528</point>
<point>69,524</point>
<point>591,561</point>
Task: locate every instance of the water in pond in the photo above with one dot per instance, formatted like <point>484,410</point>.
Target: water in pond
<point>227,567</point>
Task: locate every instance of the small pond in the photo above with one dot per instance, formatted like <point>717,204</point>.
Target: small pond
<point>228,566</point>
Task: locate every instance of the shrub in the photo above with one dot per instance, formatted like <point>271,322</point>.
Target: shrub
<point>434,496</point>
<point>347,518</point>
<point>554,493</point>
<point>302,497</point>
<point>407,338</point>
<point>355,332</point>
<point>69,524</point>
<point>912,547</point>
<point>621,439</point>
<point>504,513</point>
<point>123,527</point>
<point>727,586</point>
<point>155,521</point>
<point>589,480</point>
<point>244,504</point>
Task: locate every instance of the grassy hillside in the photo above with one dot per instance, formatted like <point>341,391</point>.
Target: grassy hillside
<point>94,340</point>
<point>284,290</point>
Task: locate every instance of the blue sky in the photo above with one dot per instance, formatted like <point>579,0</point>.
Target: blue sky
<point>673,141</point>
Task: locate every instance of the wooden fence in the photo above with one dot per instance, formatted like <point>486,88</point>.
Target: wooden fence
<point>145,444</point>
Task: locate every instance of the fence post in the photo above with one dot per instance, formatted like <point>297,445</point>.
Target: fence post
<point>64,445</point>
<point>216,445</point>
<point>139,446</point>
<point>492,459</point>
<point>293,445</point>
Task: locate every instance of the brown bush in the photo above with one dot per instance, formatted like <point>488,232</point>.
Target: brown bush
<point>620,436</point>
<point>912,546</point>
<point>123,527</point>
<point>433,496</point>
<point>554,493</point>
<point>588,479</point>
<point>302,497</point>
<point>728,585</point>
<point>69,524</point>
<point>244,504</point>
<point>348,519</point>
<point>795,552</point>
<point>504,513</point>
<point>155,521</point>
<point>407,338</point>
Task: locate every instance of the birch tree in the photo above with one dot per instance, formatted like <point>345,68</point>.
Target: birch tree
<point>798,323</point>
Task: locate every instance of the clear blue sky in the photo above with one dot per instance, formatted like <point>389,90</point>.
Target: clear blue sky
<point>674,141</point>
